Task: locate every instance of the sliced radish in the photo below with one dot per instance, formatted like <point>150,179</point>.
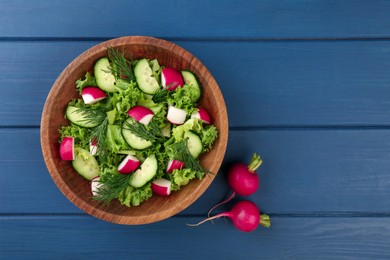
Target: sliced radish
<point>142,114</point>
<point>171,78</point>
<point>91,95</point>
<point>93,147</point>
<point>174,164</point>
<point>202,114</point>
<point>129,164</point>
<point>67,149</point>
<point>95,185</point>
<point>161,187</point>
<point>176,115</point>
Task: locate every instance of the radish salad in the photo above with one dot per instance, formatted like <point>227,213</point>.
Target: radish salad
<point>136,130</point>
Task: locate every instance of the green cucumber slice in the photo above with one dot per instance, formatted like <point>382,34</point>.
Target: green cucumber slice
<point>85,164</point>
<point>104,79</point>
<point>145,80</point>
<point>146,172</point>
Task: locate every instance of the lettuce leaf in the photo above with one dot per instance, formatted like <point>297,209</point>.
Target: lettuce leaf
<point>114,139</point>
<point>88,80</point>
<point>208,136</point>
<point>183,98</point>
<point>181,177</point>
<point>80,134</point>
<point>134,196</point>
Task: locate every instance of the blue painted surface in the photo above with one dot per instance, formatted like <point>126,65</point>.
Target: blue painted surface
<point>307,85</point>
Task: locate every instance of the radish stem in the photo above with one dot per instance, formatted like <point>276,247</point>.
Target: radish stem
<point>221,203</point>
<point>255,163</point>
<point>265,220</point>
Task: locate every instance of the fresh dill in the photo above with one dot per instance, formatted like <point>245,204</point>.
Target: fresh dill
<point>181,152</point>
<point>91,115</point>
<point>161,95</point>
<point>99,134</point>
<point>120,66</point>
<point>151,132</point>
<point>110,188</point>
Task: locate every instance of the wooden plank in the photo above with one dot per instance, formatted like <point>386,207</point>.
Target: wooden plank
<point>303,171</point>
<point>195,19</point>
<point>267,84</point>
<point>288,238</point>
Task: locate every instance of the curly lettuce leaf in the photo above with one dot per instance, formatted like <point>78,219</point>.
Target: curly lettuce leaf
<point>182,177</point>
<point>88,80</point>
<point>134,196</point>
<point>114,139</point>
<point>124,99</point>
<point>184,97</point>
<point>80,134</point>
<point>208,136</point>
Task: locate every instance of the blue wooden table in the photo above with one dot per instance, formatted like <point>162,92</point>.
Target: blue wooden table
<point>307,85</point>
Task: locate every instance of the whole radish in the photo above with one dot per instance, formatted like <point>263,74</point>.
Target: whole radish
<point>244,215</point>
<point>242,179</point>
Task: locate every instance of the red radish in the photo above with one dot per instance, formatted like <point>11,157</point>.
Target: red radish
<point>202,114</point>
<point>142,114</point>
<point>242,179</point>
<point>244,215</point>
<point>171,78</point>
<point>161,187</point>
<point>95,185</point>
<point>129,164</point>
<point>176,115</point>
<point>67,149</point>
<point>174,164</point>
<point>91,95</point>
<point>93,147</point>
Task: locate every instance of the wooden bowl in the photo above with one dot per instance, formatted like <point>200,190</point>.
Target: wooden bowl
<point>77,189</point>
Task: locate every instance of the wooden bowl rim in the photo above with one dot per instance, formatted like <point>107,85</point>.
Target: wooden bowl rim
<point>51,165</point>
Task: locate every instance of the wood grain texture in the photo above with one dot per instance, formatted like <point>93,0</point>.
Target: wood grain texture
<point>74,187</point>
<point>288,238</point>
<point>303,172</point>
<point>195,19</point>
<point>268,84</point>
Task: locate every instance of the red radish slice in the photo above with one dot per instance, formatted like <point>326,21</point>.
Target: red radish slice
<point>93,147</point>
<point>171,78</point>
<point>176,116</point>
<point>91,95</point>
<point>129,164</point>
<point>202,114</point>
<point>95,185</point>
<point>67,149</point>
<point>142,114</point>
<point>161,187</point>
<point>174,164</point>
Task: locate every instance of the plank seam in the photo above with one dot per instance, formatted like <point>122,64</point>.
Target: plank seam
<point>23,216</point>
<point>197,39</point>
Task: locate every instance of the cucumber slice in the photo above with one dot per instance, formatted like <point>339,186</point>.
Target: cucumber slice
<point>194,144</point>
<point>104,79</point>
<point>146,172</point>
<point>145,80</point>
<point>133,140</point>
<point>85,164</point>
<point>80,118</point>
<point>191,79</point>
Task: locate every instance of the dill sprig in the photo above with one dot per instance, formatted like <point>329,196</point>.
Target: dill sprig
<point>120,66</point>
<point>99,134</point>
<point>161,95</point>
<point>151,132</point>
<point>111,187</point>
<point>181,152</point>
<point>91,115</point>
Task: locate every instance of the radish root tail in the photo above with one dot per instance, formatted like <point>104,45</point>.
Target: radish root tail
<point>221,203</point>
<point>207,219</point>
